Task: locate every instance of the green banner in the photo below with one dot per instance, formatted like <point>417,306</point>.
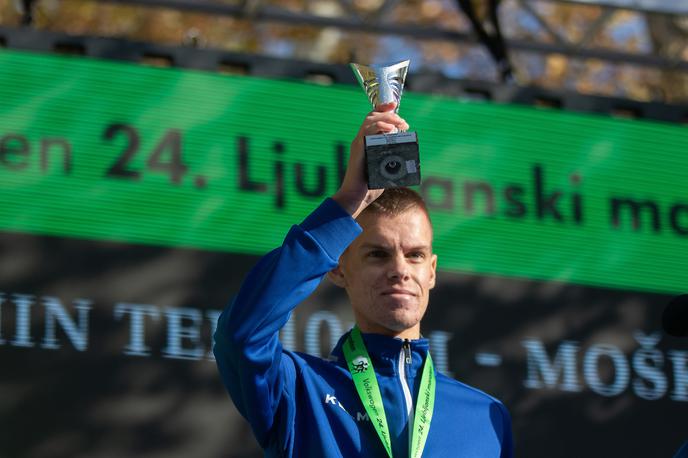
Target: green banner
<point>114,151</point>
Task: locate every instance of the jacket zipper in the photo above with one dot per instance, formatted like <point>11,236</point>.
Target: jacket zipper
<point>404,361</point>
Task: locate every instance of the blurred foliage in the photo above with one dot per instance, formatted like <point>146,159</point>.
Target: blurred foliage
<point>585,26</point>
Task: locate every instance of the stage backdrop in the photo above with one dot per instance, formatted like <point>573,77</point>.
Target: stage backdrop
<point>134,199</point>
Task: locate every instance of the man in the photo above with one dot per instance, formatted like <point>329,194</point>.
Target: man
<point>379,395</point>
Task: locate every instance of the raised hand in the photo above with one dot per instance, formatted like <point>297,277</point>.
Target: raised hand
<point>354,195</point>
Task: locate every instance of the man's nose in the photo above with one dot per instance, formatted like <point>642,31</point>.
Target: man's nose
<point>398,268</point>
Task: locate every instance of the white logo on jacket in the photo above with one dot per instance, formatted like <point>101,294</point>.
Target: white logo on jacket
<point>332,399</point>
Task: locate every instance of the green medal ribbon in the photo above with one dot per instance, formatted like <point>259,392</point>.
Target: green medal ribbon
<point>365,380</point>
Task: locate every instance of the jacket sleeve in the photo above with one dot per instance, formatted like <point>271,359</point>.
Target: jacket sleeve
<point>256,373</point>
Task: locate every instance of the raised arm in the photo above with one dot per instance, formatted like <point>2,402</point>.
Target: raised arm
<point>248,352</point>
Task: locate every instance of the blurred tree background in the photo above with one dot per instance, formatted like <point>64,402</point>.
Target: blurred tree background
<point>548,22</point>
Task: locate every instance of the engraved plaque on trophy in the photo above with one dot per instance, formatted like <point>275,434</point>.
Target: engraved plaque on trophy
<point>392,159</point>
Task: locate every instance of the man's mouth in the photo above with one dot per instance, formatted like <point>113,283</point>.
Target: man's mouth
<point>398,292</point>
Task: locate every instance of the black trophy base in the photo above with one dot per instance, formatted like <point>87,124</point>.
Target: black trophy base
<point>392,160</point>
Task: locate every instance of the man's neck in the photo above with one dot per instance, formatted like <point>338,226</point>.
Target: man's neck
<point>412,333</point>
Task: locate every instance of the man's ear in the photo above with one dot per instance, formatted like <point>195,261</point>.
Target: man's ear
<point>433,266</point>
<point>336,276</point>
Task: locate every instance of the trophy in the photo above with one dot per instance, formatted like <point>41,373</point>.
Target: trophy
<point>392,159</point>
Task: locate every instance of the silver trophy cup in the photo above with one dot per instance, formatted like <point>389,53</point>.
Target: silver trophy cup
<point>392,159</point>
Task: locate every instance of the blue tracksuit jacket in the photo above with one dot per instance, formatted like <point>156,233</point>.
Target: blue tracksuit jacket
<point>303,406</point>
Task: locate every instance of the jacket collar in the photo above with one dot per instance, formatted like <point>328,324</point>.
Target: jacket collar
<point>385,352</point>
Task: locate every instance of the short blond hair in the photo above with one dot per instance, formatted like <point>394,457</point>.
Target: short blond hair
<point>395,201</point>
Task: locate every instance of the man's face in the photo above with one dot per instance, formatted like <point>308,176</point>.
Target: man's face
<point>388,272</point>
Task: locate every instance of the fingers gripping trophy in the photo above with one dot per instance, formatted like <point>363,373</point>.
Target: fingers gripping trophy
<point>392,160</point>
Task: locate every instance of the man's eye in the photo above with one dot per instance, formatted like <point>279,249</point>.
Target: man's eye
<point>417,255</point>
<point>377,254</point>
